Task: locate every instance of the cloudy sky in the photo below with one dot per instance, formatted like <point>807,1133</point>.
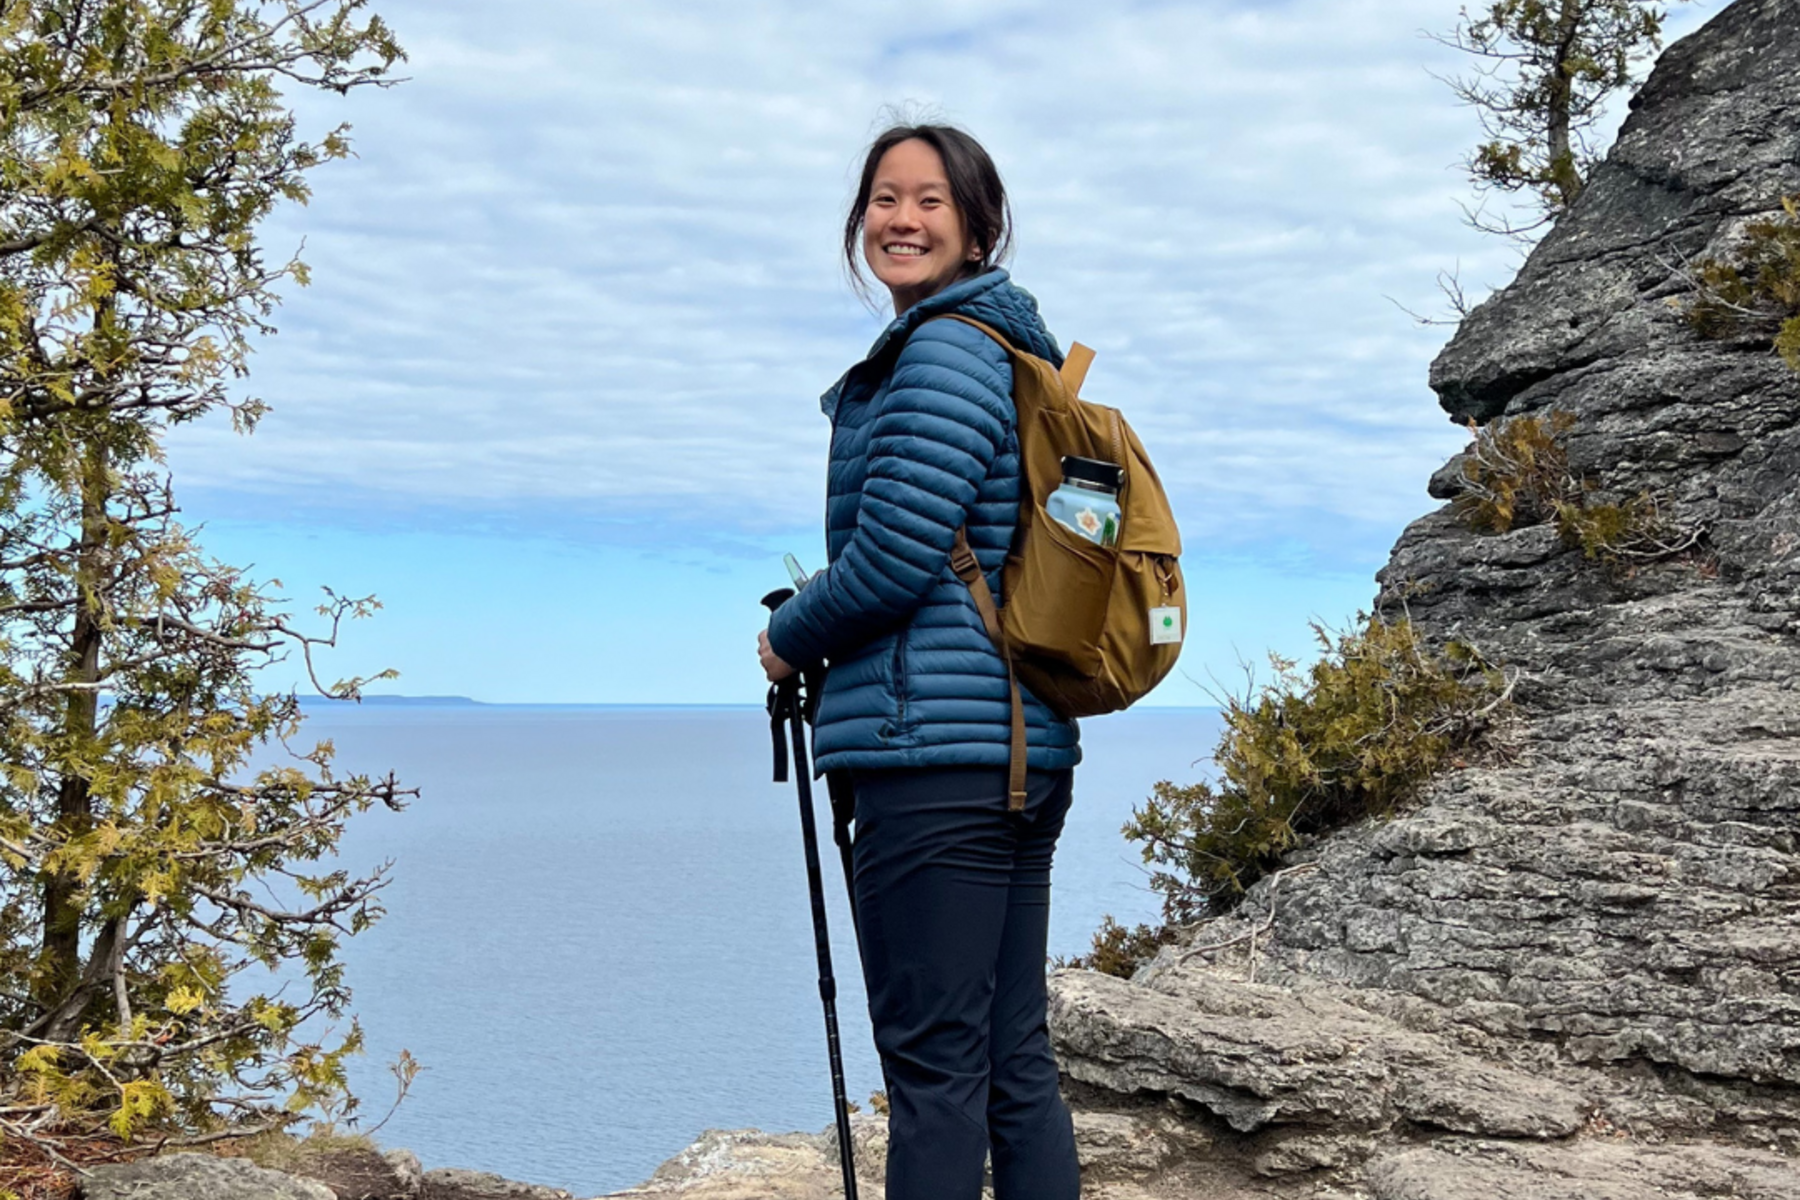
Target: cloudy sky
<point>552,393</point>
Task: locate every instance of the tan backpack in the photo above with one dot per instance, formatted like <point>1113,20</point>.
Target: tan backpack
<point>1088,628</point>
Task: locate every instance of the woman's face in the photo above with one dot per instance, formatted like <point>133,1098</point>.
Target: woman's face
<point>913,235</point>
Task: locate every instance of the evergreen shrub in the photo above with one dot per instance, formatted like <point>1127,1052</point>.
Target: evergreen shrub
<point>1351,737</point>
<point>172,903</point>
<point>1755,289</point>
<point>1516,474</point>
<point>1118,950</point>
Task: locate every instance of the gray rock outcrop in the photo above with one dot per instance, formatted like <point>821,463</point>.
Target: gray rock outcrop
<point>1593,1170</point>
<point>453,1183</point>
<point>197,1177</point>
<point>1261,1056</point>
<point>1573,969</point>
<point>360,1172</point>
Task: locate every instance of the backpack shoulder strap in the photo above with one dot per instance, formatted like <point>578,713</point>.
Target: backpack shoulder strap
<point>1073,374</point>
<point>968,569</point>
<point>1075,363</point>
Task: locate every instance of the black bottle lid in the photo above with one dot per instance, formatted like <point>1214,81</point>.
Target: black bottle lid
<point>1093,473</point>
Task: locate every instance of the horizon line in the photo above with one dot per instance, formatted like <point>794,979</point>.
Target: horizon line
<point>384,699</point>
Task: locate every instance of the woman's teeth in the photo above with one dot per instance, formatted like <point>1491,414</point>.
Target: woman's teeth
<point>905,251</point>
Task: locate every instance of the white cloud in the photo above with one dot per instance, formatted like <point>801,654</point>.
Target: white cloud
<point>586,258</point>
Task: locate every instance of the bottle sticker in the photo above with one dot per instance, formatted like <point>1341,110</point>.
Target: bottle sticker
<point>1165,626</point>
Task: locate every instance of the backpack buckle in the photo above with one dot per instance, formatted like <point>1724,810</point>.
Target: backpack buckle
<point>963,560</point>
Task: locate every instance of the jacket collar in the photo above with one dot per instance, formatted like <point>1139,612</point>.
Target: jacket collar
<point>950,299</point>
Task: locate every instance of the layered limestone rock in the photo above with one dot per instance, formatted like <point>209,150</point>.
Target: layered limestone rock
<point>1127,1153</point>
<point>1589,945</point>
<point>198,1177</point>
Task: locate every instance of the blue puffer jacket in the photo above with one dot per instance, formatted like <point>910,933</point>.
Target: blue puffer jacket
<point>923,440</point>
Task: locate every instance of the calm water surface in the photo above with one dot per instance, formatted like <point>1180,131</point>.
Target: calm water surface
<point>598,940</point>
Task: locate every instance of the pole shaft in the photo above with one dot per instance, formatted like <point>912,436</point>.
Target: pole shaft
<point>789,711</point>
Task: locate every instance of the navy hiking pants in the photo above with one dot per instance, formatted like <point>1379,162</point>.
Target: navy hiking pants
<point>953,904</point>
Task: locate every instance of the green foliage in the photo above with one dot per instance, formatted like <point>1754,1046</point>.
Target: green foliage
<point>1756,289</point>
<point>1613,532</point>
<point>1118,950</point>
<point>1547,69</point>
<point>1351,737</point>
<point>1516,474</point>
<point>142,864</point>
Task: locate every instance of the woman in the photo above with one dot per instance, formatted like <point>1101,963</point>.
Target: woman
<point>952,892</point>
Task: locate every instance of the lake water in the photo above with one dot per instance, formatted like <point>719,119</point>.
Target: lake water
<point>598,939</point>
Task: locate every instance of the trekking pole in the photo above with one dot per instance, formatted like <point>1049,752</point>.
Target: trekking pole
<point>787,716</point>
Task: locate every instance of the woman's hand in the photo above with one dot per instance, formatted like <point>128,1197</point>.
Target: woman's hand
<point>772,665</point>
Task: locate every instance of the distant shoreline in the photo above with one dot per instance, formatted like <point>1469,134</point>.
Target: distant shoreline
<point>391,701</point>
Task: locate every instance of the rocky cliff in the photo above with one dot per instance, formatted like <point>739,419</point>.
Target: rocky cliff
<point>1575,970</point>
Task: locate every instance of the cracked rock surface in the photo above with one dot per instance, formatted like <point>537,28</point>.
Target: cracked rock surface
<point>1573,969</point>
<point>1262,1056</point>
<point>197,1177</point>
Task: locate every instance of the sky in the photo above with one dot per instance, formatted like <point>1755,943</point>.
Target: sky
<point>552,393</point>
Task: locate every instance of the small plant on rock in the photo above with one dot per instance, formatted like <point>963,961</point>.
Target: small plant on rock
<point>1757,288</point>
<point>1516,474</point>
<point>1616,533</point>
<point>1118,950</point>
<point>1351,737</point>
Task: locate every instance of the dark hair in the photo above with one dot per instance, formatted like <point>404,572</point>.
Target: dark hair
<point>975,189</point>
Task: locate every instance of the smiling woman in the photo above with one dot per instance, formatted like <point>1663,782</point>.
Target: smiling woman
<point>929,210</point>
<point>951,889</point>
<point>913,236</point>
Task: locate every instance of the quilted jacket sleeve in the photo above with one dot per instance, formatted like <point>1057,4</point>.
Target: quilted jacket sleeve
<point>943,421</point>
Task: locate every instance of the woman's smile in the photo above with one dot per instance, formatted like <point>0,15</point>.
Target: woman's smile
<point>914,238</point>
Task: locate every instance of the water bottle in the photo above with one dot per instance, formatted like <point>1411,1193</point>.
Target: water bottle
<point>1087,502</point>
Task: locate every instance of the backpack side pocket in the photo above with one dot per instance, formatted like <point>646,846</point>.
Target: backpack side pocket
<point>1061,587</point>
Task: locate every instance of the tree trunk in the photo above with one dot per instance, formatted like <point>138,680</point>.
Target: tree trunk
<point>1565,176</point>
<point>74,800</point>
